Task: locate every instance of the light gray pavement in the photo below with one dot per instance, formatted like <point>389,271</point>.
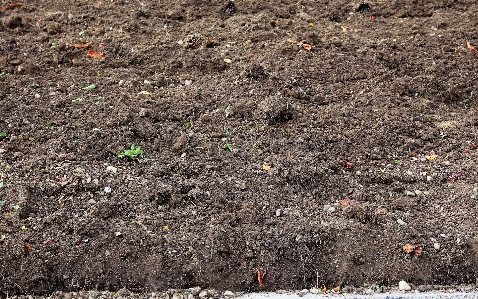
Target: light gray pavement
<point>395,295</point>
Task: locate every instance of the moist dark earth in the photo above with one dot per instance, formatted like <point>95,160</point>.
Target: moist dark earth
<point>311,140</point>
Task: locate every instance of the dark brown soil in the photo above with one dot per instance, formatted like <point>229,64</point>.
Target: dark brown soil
<point>316,165</point>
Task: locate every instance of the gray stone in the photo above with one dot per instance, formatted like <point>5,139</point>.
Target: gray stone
<point>195,291</point>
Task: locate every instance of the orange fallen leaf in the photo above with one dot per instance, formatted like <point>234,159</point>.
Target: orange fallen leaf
<point>348,164</point>
<point>260,277</point>
<point>336,289</point>
<point>347,202</point>
<point>2,9</point>
<point>372,18</point>
<point>266,167</point>
<point>81,46</point>
<point>381,211</point>
<point>324,289</point>
<point>96,54</point>
<point>28,247</point>
<point>417,248</point>
<point>14,4</point>
<point>470,47</point>
<point>307,46</point>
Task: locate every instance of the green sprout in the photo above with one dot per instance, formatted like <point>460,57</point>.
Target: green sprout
<point>404,150</point>
<point>54,45</point>
<point>132,153</point>
<point>229,147</point>
<point>3,134</point>
<point>442,134</point>
<point>1,184</point>
<point>187,124</point>
<point>89,87</point>
<point>47,126</point>
<point>398,162</point>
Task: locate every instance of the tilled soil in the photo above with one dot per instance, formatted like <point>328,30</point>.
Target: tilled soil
<point>306,139</point>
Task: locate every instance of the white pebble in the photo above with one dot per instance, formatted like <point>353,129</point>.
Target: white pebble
<point>429,178</point>
<point>278,212</point>
<point>409,193</point>
<point>228,294</point>
<point>331,209</point>
<point>188,82</point>
<point>111,169</point>
<point>401,222</point>
<point>403,286</point>
<point>436,246</point>
<point>314,291</point>
<point>107,189</point>
<point>418,192</point>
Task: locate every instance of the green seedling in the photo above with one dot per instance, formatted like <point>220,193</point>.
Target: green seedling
<point>89,87</point>
<point>442,134</point>
<point>404,150</point>
<point>47,126</point>
<point>2,202</point>
<point>78,100</point>
<point>229,147</point>
<point>398,162</point>
<point>3,237</point>
<point>132,153</point>
<point>187,124</point>
<point>3,134</point>
<point>1,184</point>
<point>54,45</point>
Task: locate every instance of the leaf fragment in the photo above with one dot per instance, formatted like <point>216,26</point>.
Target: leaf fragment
<point>431,157</point>
<point>96,54</point>
<point>89,87</point>
<point>472,49</point>
<point>417,248</point>
<point>81,46</point>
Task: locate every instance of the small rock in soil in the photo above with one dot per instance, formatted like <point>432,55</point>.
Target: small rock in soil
<point>436,246</point>
<point>314,291</point>
<point>195,291</point>
<point>409,193</point>
<point>424,288</point>
<point>203,294</point>
<point>228,293</point>
<point>177,296</point>
<point>111,169</point>
<point>278,212</point>
<point>403,286</point>
<point>401,222</point>
<point>303,292</point>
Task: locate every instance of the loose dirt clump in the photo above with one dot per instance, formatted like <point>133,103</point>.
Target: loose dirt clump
<point>308,139</point>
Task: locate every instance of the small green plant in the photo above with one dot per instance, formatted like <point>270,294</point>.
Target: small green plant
<point>47,126</point>
<point>132,153</point>
<point>442,134</point>
<point>229,147</point>
<point>398,162</point>
<point>187,124</point>
<point>54,45</point>
<point>1,184</point>
<point>404,150</point>
<point>3,134</point>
